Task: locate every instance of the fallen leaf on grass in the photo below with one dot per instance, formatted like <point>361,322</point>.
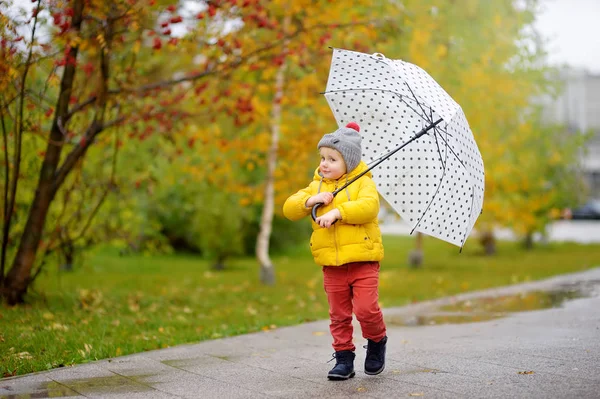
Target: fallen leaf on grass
<point>48,316</point>
<point>24,355</point>
<point>251,311</point>
<point>58,327</point>
<point>526,372</point>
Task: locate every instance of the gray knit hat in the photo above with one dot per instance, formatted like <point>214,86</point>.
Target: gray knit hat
<point>346,140</point>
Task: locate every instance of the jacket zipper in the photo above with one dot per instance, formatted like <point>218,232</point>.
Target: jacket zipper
<point>337,262</point>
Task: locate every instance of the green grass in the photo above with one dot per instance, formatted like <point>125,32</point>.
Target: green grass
<point>120,305</point>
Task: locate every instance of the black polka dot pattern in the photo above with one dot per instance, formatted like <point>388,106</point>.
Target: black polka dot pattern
<point>436,183</point>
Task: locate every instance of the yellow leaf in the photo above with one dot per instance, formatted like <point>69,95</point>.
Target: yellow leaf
<point>441,51</point>
<point>251,311</point>
<point>48,316</point>
<point>59,327</point>
<point>24,355</point>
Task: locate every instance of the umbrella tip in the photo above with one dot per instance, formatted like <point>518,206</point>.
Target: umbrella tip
<point>353,125</point>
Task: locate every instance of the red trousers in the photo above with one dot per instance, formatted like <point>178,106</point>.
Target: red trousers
<point>353,287</point>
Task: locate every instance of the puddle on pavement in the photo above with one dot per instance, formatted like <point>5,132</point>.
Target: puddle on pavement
<point>490,308</point>
<point>44,390</point>
<point>77,387</point>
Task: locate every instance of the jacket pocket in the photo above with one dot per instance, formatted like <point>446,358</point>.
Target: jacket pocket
<point>355,234</point>
<point>367,237</point>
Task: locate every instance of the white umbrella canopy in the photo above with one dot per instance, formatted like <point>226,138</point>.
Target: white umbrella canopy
<point>433,172</point>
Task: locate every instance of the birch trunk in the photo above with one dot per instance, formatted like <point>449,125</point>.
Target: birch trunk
<point>267,269</point>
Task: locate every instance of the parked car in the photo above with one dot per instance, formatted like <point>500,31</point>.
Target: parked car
<point>590,210</point>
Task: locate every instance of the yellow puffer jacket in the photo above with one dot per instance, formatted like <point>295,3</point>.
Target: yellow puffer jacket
<point>354,238</point>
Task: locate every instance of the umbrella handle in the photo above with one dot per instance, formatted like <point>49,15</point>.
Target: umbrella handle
<point>313,213</point>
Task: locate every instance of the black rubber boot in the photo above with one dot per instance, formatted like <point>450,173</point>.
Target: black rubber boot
<point>344,366</point>
<point>375,360</point>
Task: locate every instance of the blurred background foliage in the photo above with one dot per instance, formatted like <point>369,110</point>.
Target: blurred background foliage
<point>180,161</point>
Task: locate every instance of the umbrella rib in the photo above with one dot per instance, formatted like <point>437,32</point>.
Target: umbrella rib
<point>444,164</point>
<point>434,195</point>
<point>472,186</point>
<point>415,97</point>
<point>437,144</point>
<point>470,210</point>
<point>424,118</point>
<point>441,181</point>
<point>415,111</point>
<point>451,150</point>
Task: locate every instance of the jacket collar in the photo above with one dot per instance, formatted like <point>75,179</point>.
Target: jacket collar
<point>347,176</point>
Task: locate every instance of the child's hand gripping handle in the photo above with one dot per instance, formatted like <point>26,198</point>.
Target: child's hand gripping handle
<point>314,212</point>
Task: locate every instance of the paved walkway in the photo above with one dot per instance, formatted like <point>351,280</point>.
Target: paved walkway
<point>552,353</point>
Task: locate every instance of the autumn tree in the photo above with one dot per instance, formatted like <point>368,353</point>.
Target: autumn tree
<point>101,71</point>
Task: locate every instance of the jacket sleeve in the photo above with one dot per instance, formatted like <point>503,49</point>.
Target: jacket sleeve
<point>365,208</point>
<point>294,207</point>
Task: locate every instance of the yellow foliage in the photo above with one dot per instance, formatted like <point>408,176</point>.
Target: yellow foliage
<point>441,51</point>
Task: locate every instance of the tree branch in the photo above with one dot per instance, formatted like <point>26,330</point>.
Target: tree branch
<point>5,226</point>
<point>80,107</point>
<point>10,199</point>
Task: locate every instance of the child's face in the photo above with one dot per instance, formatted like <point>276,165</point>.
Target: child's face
<point>332,164</point>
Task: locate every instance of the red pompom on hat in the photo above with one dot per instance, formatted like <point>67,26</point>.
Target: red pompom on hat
<point>353,125</point>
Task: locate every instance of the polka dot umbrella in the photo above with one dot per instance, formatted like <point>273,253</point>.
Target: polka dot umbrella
<point>433,175</point>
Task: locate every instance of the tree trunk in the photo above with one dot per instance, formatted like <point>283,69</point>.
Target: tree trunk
<point>67,250</point>
<point>267,270</point>
<point>415,257</point>
<point>488,241</point>
<point>528,241</point>
<point>18,278</point>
